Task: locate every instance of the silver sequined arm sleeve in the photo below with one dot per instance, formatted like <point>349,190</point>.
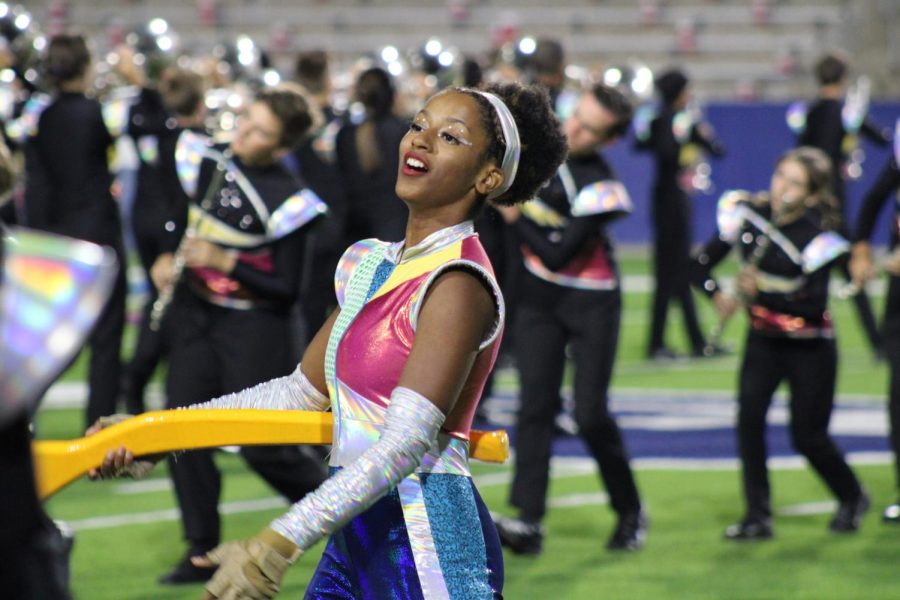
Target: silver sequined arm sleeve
<point>411,426</point>
<point>291,392</point>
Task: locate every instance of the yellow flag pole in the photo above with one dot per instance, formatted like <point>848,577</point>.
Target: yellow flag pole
<point>59,462</point>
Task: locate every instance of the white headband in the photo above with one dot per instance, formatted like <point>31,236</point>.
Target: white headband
<point>511,137</point>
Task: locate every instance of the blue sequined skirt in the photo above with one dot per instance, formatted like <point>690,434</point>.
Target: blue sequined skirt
<point>431,537</point>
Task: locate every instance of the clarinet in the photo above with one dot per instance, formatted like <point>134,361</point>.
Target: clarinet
<point>759,250</point>
<point>168,292</point>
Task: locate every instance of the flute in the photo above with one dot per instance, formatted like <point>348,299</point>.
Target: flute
<point>162,302</point>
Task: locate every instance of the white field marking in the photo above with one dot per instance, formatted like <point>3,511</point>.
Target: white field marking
<point>143,487</point>
<point>73,394</point>
<point>697,410</point>
<point>574,464</point>
<point>575,500</point>
<point>560,468</point>
<point>808,508</point>
<point>172,514</point>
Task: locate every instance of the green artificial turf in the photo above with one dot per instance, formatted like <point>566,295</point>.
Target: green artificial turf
<point>685,556</point>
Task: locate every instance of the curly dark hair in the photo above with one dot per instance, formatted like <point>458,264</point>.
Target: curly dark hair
<point>543,143</point>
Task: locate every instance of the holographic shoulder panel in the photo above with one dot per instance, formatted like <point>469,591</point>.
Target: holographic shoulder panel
<point>643,117</point>
<point>115,109</point>
<point>148,149</point>
<point>822,250</point>
<point>190,150</point>
<point>856,105</point>
<point>26,125</point>
<point>602,197</point>
<point>294,213</point>
<point>349,264</point>
<point>796,117</point>
<point>730,214</point>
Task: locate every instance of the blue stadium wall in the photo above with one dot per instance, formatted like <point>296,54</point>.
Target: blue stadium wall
<point>754,136</point>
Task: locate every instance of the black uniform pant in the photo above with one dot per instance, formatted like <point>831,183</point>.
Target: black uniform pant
<point>672,263</point>
<point>809,367</point>
<point>891,331</point>
<point>218,351</point>
<point>550,317</point>
<point>150,347</point>
<point>105,343</point>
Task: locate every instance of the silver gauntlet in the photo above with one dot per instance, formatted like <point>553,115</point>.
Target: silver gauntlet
<point>411,426</point>
<point>291,392</point>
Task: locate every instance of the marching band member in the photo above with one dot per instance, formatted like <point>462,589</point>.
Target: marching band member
<point>789,245</point>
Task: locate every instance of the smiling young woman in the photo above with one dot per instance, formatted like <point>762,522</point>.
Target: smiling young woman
<point>402,364</point>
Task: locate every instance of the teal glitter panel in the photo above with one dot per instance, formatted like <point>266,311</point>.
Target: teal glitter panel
<point>382,273</point>
<point>457,531</point>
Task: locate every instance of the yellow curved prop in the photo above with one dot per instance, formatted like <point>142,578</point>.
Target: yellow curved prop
<point>58,463</point>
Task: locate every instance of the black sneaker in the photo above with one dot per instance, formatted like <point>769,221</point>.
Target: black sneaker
<point>186,572</point>
<point>751,528</point>
<point>891,514</point>
<point>520,536</point>
<point>849,514</point>
<point>663,354</point>
<point>712,351</point>
<point>630,533</point>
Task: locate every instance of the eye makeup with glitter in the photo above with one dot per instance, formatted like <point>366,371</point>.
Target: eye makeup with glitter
<point>453,133</point>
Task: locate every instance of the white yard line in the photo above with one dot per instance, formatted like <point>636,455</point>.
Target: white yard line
<point>563,467</point>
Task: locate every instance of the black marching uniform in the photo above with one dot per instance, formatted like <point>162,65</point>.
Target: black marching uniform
<point>373,208</point>
<point>158,216</point>
<point>569,294</point>
<point>790,338</point>
<point>68,192</point>
<point>887,185</point>
<point>315,163</point>
<point>824,126</point>
<point>230,332</point>
<point>668,133</point>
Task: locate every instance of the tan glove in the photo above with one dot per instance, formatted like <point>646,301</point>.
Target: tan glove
<point>251,569</point>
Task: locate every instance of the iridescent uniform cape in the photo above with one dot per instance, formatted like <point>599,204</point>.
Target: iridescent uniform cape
<point>431,536</point>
